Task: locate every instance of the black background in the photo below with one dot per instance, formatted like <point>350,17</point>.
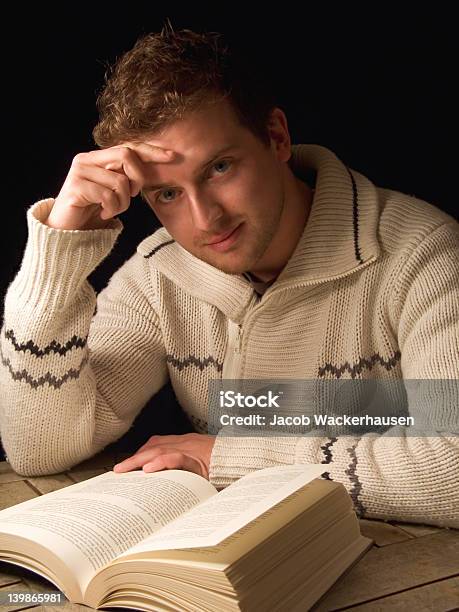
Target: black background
<point>375,87</point>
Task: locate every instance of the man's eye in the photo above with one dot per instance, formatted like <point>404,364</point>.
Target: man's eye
<point>226,163</point>
<point>223,162</point>
<point>165,192</point>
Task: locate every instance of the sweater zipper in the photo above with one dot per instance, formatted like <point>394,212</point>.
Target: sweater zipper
<point>233,356</point>
<point>232,359</point>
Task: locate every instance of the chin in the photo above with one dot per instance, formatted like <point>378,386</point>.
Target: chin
<point>231,270</point>
<point>228,267</point>
<point>226,263</point>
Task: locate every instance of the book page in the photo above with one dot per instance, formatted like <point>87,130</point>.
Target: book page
<point>90,523</point>
<point>222,515</point>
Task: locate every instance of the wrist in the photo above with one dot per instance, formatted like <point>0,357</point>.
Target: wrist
<point>57,263</point>
<point>57,221</point>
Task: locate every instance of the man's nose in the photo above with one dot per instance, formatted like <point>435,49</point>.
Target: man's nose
<point>205,211</point>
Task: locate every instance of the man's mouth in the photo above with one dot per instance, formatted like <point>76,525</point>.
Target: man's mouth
<point>224,241</point>
<point>222,237</point>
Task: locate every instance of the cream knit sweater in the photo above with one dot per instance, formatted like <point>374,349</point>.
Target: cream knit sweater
<point>371,291</point>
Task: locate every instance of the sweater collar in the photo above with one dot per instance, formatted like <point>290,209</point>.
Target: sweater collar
<point>339,238</point>
<point>340,235</point>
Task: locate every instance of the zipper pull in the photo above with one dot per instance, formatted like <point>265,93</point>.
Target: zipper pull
<point>237,348</point>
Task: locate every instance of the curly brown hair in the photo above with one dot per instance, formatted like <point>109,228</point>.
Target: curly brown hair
<point>168,74</point>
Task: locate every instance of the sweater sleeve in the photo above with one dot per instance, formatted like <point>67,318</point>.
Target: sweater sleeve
<point>395,475</point>
<point>74,380</point>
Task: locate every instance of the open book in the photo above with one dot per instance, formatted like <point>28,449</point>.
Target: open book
<point>276,539</point>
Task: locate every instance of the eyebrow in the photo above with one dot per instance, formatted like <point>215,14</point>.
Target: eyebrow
<point>202,168</point>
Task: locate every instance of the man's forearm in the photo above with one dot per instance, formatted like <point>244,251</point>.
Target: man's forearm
<point>396,477</point>
<point>48,392</point>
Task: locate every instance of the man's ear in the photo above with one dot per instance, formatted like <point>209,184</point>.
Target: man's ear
<point>279,134</point>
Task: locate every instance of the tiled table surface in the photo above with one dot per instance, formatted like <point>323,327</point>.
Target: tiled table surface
<point>410,567</point>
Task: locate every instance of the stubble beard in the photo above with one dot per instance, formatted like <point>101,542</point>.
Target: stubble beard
<point>264,236</point>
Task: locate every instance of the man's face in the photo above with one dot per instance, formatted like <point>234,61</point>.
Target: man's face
<point>241,189</point>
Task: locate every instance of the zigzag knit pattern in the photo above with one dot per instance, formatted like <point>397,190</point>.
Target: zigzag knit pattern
<point>362,364</point>
<point>50,379</point>
<point>180,364</point>
<point>327,452</point>
<point>357,485</point>
<point>52,347</point>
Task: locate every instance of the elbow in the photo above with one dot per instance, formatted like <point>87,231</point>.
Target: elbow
<point>24,463</point>
<point>27,467</point>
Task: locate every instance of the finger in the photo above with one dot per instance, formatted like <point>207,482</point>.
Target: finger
<point>143,151</point>
<point>114,181</point>
<point>140,458</point>
<point>150,153</point>
<point>126,160</point>
<point>88,194</point>
<point>131,463</point>
<point>174,461</point>
<point>149,157</point>
<point>133,189</point>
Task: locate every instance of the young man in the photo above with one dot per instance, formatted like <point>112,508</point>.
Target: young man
<point>275,261</point>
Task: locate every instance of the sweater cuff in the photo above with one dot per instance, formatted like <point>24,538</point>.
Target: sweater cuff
<point>57,262</point>
<point>234,456</point>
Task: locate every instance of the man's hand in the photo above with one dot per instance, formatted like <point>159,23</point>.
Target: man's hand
<point>100,185</point>
<point>190,452</point>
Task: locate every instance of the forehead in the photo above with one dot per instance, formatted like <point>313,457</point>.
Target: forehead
<point>210,128</point>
